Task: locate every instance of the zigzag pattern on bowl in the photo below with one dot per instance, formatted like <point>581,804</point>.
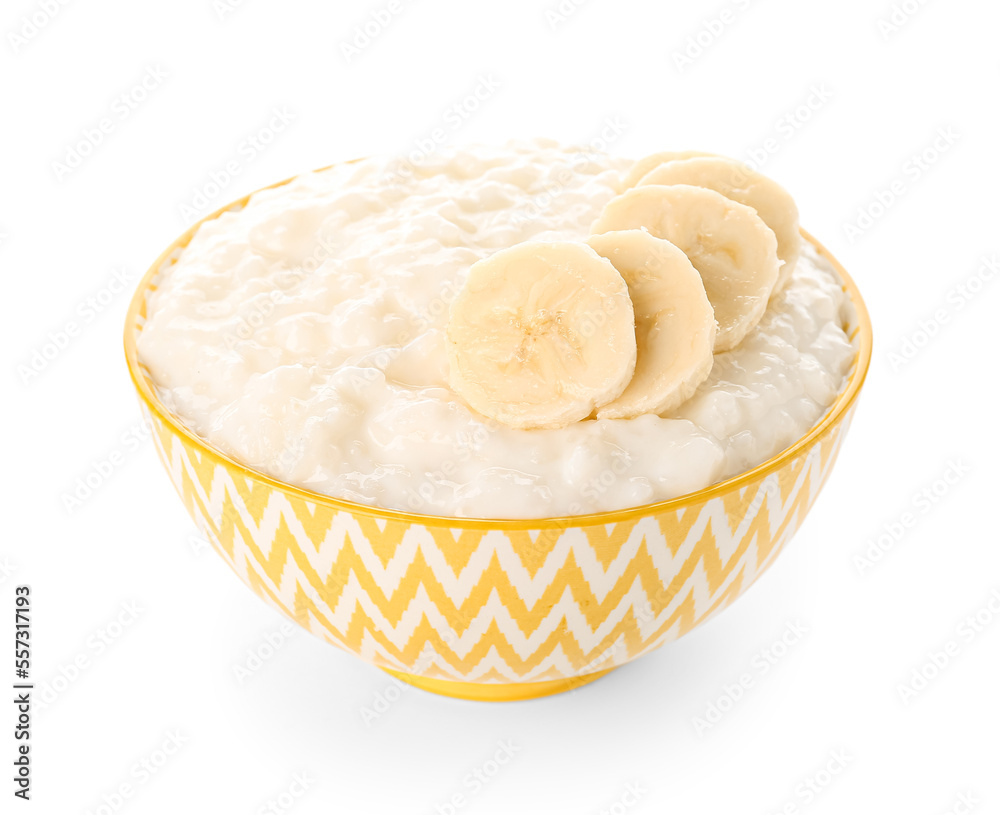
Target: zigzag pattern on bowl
<point>511,604</point>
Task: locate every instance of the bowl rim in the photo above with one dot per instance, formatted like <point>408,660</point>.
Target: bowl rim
<point>830,419</point>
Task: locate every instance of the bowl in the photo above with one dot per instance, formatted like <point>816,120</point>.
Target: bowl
<point>495,609</point>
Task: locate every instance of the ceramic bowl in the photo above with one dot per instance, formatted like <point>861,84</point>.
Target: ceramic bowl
<point>495,609</point>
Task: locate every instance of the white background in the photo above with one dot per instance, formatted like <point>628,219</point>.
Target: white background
<point>879,97</point>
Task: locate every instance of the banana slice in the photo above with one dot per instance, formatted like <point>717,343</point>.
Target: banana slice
<point>674,322</point>
<point>731,247</point>
<point>645,165</point>
<point>742,184</point>
<point>541,335</point>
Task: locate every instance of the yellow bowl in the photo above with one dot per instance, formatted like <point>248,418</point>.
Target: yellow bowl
<point>495,609</point>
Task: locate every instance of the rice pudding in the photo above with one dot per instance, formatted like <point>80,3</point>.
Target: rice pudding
<point>306,336</point>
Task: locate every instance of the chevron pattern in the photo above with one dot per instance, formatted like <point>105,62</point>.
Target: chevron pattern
<point>458,600</point>
<point>487,602</point>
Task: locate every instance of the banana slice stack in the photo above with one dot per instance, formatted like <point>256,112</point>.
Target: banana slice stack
<point>679,267</point>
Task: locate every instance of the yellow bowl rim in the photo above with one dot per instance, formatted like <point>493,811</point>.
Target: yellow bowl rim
<point>830,419</point>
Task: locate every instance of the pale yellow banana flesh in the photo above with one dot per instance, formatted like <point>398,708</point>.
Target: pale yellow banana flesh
<point>731,247</point>
<point>674,323</point>
<point>541,335</point>
<point>644,165</point>
<point>737,181</point>
<point>546,334</point>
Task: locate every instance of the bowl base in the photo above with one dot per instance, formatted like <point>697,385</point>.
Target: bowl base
<point>490,692</point>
